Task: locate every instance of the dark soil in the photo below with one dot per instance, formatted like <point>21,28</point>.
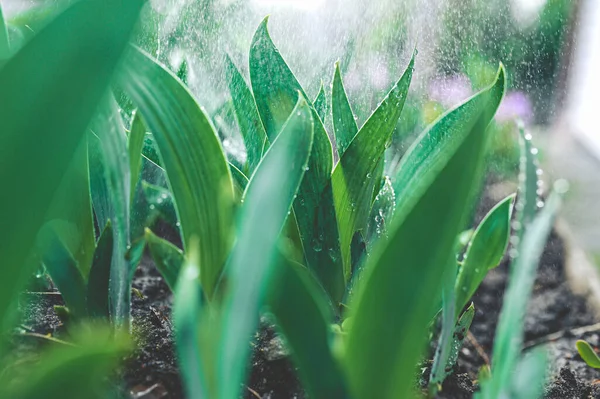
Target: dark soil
<point>152,373</point>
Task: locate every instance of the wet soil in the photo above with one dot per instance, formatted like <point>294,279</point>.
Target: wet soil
<point>555,317</point>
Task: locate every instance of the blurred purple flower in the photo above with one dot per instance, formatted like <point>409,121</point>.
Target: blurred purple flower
<point>451,90</point>
<point>515,105</point>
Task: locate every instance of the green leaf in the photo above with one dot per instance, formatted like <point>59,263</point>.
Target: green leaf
<point>353,178</point>
<point>527,200</point>
<point>276,91</point>
<point>267,203</point>
<point>192,157</point>
<point>112,141</point>
<point>396,295</point>
<point>71,371</point>
<point>485,251</point>
<point>167,258</point>
<point>509,333</point>
<point>63,270</point>
<point>344,122</point>
<point>4,40</point>
<point>187,310</point>
<point>445,340</point>
<point>240,181</point>
<point>458,337</point>
<point>46,107</point>
<point>251,127</point>
<point>320,103</point>
<point>135,144</point>
<point>160,201</point>
<point>71,208</point>
<point>182,72</point>
<point>587,353</point>
<point>304,315</point>
<point>382,213</point>
<point>99,281</point>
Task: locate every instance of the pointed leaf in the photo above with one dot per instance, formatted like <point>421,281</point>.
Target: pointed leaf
<point>527,199</point>
<point>304,316</point>
<point>320,103</point>
<point>509,333</point>
<point>192,157</point>
<point>268,200</point>
<point>276,90</point>
<point>45,108</point>
<point>251,127</point>
<point>99,281</point>
<point>167,258</point>
<point>344,122</point>
<point>485,251</point>
<point>382,213</point>
<point>406,271</point>
<point>353,178</point>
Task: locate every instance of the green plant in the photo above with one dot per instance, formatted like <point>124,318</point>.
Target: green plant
<point>346,228</point>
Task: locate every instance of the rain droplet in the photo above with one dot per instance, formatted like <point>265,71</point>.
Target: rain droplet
<point>534,151</point>
<point>528,136</point>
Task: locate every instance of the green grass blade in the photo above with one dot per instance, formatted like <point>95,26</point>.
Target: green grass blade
<point>304,316</point>
<point>4,41</point>
<point>344,122</point>
<point>394,299</point>
<point>320,103</point>
<point>192,157</point>
<point>135,143</point>
<point>63,270</point>
<point>187,310</point>
<point>112,141</point>
<point>458,337</point>
<point>509,333</point>
<point>45,109</point>
<point>167,258</point>
<point>587,353</point>
<point>240,181</point>
<point>99,281</point>
<point>251,127</point>
<point>353,178</point>
<point>485,251</point>
<point>267,203</point>
<point>71,371</point>
<point>276,91</point>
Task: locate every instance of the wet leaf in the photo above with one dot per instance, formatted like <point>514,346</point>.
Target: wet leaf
<point>192,157</point>
<point>276,90</point>
<point>320,103</point>
<point>411,261</point>
<point>112,150</point>
<point>251,127</point>
<point>344,122</point>
<point>45,108</point>
<point>382,213</point>
<point>509,333</point>
<point>135,143</point>
<point>485,251</point>
<point>160,201</point>
<point>304,316</point>
<point>587,353</point>
<point>167,257</point>
<point>353,178</point>
<point>99,281</point>
<point>267,203</point>
<point>527,199</point>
